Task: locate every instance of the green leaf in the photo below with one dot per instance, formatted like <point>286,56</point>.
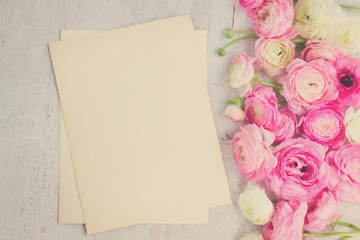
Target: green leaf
<point>230,102</point>
<point>235,101</point>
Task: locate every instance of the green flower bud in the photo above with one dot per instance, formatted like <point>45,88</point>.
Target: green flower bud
<point>229,33</point>
<point>221,51</point>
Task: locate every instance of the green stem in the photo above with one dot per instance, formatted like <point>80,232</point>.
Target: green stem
<point>273,85</point>
<point>222,52</point>
<point>347,225</point>
<point>240,39</point>
<point>352,234</point>
<point>298,40</point>
<point>348,6</point>
<point>345,238</point>
<point>244,31</point>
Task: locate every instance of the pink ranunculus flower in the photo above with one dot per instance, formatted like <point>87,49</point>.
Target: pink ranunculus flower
<point>323,210</point>
<point>287,221</point>
<point>241,73</point>
<point>261,108</point>
<point>316,49</point>
<point>252,152</point>
<point>287,126</point>
<point>343,167</point>
<point>274,55</point>
<point>324,125</point>
<point>250,4</point>
<point>274,18</point>
<point>309,85</point>
<point>348,78</point>
<point>300,173</point>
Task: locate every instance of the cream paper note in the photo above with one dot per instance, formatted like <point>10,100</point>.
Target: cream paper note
<point>139,123</point>
<point>69,203</point>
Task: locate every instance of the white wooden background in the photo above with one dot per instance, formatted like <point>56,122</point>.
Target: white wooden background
<point>29,112</point>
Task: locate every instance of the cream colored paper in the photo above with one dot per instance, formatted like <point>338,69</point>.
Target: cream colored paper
<point>135,107</point>
<point>69,203</point>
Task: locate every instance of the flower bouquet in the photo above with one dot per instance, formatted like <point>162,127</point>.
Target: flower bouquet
<point>300,146</point>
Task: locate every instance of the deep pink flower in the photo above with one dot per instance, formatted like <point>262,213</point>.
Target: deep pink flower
<point>348,78</point>
<point>286,127</point>
<point>317,49</point>
<point>343,166</point>
<point>261,108</point>
<point>252,152</point>
<point>309,85</point>
<point>274,18</point>
<point>324,125</point>
<point>287,221</point>
<point>323,210</point>
<point>300,173</point>
<point>250,4</point>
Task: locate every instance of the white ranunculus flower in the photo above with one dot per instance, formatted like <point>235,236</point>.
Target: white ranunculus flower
<point>346,33</point>
<point>255,204</point>
<point>352,124</point>
<point>315,18</point>
<point>252,236</point>
<point>274,55</point>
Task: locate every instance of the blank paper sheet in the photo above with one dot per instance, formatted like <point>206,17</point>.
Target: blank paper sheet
<point>139,123</point>
<point>69,203</point>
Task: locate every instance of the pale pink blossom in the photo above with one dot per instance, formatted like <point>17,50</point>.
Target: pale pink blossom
<point>287,222</point>
<point>309,85</point>
<point>252,152</point>
<point>317,49</point>
<point>300,173</point>
<point>240,74</point>
<point>261,108</point>
<point>343,166</point>
<point>235,113</point>
<point>348,79</point>
<point>274,18</point>
<point>323,210</point>
<point>324,125</point>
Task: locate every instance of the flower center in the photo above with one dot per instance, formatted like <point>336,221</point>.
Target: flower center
<point>257,115</point>
<point>347,80</point>
<point>240,157</point>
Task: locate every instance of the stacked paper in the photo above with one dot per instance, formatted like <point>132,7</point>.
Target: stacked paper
<point>137,137</point>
